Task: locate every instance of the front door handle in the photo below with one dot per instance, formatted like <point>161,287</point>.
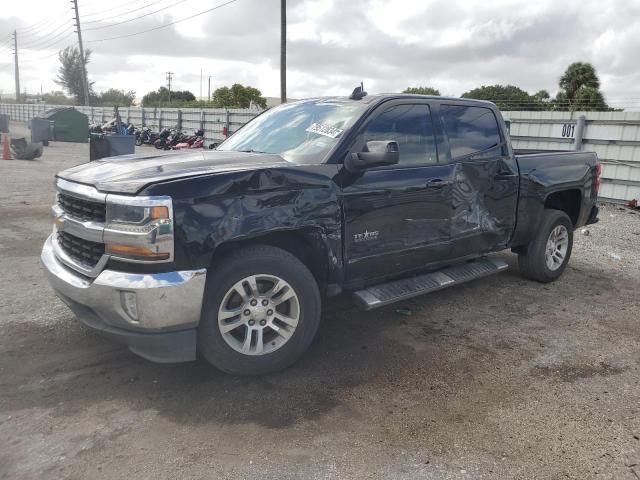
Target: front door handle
<point>437,183</point>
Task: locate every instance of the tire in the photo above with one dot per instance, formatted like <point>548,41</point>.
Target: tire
<point>281,347</point>
<point>534,261</point>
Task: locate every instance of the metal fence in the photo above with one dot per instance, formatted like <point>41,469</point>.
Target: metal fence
<point>212,120</point>
<point>614,136</point>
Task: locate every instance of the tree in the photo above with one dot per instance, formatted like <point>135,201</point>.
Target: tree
<point>238,96</point>
<point>57,98</point>
<point>506,97</point>
<point>580,89</point>
<point>579,75</point>
<point>70,73</point>
<point>222,97</point>
<point>422,91</point>
<point>590,99</point>
<point>114,97</point>
<point>161,98</point>
<point>542,95</point>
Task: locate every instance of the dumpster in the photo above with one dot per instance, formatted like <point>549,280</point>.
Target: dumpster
<point>121,144</point>
<point>101,145</point>
<point>98,146</point>
<point>4,123</point>
<point>69,125</point>
<point>41,130</point>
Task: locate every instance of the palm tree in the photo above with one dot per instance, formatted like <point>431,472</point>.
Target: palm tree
<point>579,75</point>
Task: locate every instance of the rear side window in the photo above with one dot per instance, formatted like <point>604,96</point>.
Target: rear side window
<point>411,127</point>
<point>470,130</point>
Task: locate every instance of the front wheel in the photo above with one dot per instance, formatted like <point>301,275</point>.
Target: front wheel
<point>261,311</point>
<point>546,257</point>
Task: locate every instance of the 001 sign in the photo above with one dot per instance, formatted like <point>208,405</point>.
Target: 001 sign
<point>568,130</point>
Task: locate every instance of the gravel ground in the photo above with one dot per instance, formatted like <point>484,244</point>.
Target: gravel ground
<point>499,378</point>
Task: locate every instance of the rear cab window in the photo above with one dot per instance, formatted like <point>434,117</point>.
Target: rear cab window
<point>472,131</point>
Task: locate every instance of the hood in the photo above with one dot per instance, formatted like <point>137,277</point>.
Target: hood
<point>128,174</point>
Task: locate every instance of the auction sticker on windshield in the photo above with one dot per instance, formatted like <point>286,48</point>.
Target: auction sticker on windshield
<point>324,129</point>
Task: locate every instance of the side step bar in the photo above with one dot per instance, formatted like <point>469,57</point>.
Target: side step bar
<point>386,293</point>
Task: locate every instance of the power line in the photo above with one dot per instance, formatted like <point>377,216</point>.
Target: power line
<point>123,14</point>
<point>35,55</point>
<point>38,24</point>
<point>38,45</point>
<point>100,10</point>
<point>136,18</point>
<point>44,32</point>
<point>165,25</point>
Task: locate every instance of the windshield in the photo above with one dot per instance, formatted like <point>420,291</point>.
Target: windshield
<point>303,133</point>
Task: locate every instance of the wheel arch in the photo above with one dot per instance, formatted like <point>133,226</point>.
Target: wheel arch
<point>568,201</point>
<point>309,245</point>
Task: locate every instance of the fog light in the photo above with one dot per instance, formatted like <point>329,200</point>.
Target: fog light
<point>129,303</point>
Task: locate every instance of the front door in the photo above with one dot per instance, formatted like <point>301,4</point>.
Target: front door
<point>397,217</point>
<point>484,180</point>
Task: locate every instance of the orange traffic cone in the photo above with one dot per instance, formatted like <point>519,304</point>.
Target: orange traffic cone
<point>6,149</point>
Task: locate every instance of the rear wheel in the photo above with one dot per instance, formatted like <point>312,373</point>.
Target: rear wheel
<point>261,311</point>
<point>546,257</point>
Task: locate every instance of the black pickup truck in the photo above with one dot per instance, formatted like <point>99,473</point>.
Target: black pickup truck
<point>231,251</point>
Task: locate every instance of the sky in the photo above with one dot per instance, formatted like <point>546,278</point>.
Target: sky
<point>332,45</point>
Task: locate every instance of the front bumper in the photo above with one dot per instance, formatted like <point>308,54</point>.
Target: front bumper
<point>167,306</point>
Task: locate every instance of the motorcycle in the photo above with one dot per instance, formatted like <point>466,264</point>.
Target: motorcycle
<point>164,137</point>
<point>143,135</point>
<point>194,141</point>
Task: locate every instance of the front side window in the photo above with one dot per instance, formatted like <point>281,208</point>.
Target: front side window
<point>302,133</point>
<point>411,127</point>
<point>471,130</point>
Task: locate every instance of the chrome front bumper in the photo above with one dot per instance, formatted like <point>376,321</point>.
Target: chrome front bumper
<point>167,306</point>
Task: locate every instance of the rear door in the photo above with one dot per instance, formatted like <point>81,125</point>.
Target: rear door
<point>397,217</point>
<point>484,180</point>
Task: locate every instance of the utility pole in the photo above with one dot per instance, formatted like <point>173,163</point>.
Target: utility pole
<point>85,82</point>
<point>209,89</point>
<point>200,97</point>
<point>283,51</point>
<point>16,69</point>
<point>169,75</point>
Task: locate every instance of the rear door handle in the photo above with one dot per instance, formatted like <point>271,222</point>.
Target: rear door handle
<point>504,175</point>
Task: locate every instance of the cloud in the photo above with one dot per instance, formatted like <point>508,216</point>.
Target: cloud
<point>453,45</point>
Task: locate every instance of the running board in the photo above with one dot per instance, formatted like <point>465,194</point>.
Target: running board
<point>403,289</point>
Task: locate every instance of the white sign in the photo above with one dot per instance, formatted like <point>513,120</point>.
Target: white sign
<point>565,130</point>
<point>323,129</point>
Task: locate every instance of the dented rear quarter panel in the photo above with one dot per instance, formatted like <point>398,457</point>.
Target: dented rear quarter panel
<point>212,210</point>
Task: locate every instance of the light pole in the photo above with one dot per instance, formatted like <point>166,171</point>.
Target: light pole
<point>283,51</point>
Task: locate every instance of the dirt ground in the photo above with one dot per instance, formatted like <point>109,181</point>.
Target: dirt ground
<point>499,378</point>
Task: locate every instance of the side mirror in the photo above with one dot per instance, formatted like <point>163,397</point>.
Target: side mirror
<point>376,154</point>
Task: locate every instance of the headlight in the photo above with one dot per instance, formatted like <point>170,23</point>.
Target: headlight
<point>139,229</point>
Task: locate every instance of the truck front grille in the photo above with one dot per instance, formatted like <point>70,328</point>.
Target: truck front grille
<point>83,251</point>
<point>82,209</point>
